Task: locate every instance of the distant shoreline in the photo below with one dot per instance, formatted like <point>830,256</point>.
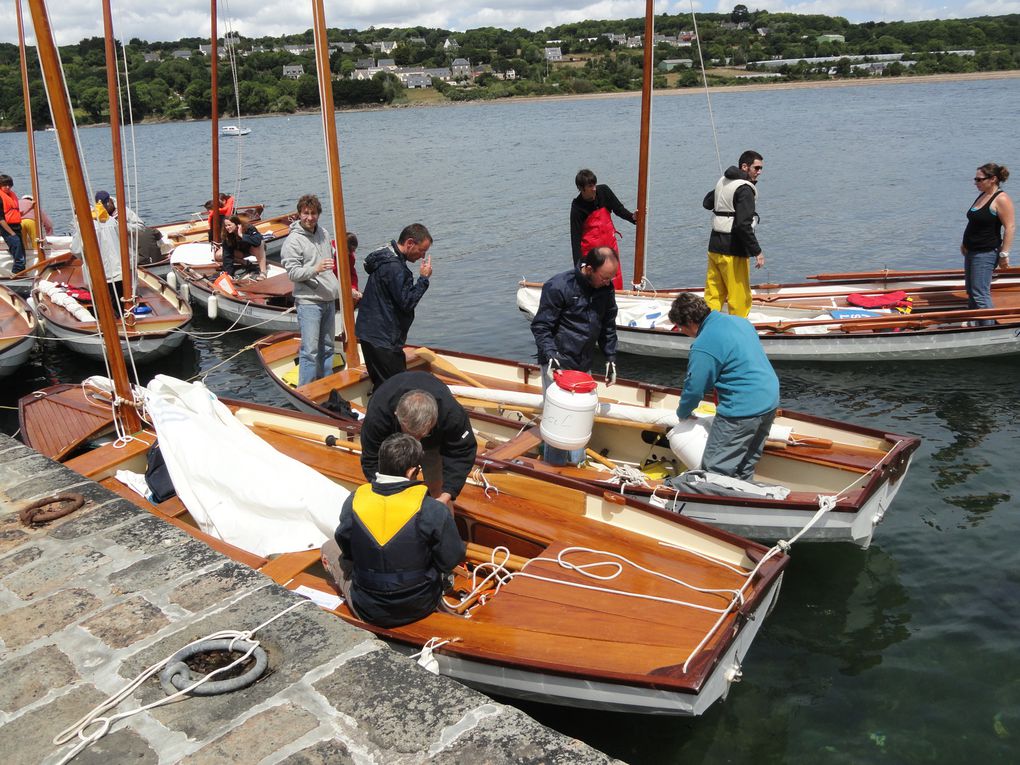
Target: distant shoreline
<point>1010,74</point>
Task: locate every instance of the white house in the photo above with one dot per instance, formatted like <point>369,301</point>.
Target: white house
<point>293,71</point>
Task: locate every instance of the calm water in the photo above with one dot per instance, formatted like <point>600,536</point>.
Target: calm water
<point>904,653</point>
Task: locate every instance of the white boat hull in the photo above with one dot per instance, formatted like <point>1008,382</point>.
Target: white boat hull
<point>13,357</point>
<point>962,343</point>
<point>775,523</point>
<point>143,348</point>
<point>548,688</point>
<point>934,344</point>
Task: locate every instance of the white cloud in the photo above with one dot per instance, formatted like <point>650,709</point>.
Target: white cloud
<point>74,20</point>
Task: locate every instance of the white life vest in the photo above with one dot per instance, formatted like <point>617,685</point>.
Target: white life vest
<point>724,211</point>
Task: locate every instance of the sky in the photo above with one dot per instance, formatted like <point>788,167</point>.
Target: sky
<point>158,20</point>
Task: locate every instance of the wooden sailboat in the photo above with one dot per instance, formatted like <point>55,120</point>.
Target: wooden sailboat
<point>795,322</point>
<point>263,304</point>
<point>807,321</point>
<point>862,467</point>
<point>45,250</point>
<point>668,634</point>
<point>18,327</point>
<point>154,318</point>
<point>145,337</point>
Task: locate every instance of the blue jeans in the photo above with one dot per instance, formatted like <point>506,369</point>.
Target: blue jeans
<point>977,276</point>
<point>16,247</point>
<point>315,359</point>
<point>551,454</point>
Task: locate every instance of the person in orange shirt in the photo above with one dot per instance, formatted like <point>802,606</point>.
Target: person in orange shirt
<point>226,209</point>
<point>10,225</point>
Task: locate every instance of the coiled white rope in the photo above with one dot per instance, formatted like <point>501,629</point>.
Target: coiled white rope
<point>103,724</point>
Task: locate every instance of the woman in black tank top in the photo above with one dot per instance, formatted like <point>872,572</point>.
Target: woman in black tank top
<point>988,236</point>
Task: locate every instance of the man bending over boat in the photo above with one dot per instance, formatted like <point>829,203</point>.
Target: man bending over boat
<point>419,404</point>
<point>727,355</point>
<point>733,243</point>
<point>395,545</point>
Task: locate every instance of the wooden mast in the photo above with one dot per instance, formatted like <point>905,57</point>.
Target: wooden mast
<point>646,114</point>
<point>336,186</point>
<point>214,64</point>
<point>113,87</point>
<point>40,231</point>
<point>61,109</point>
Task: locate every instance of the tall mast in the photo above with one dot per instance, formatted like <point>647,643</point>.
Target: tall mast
<point>335,184</point>
<point>61,109</point>
<point>214,64</point>
<point>646,114</point>
<point>113,87</point>
<point>40,231</point>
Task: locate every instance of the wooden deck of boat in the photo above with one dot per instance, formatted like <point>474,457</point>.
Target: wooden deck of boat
<point>166,314</point>
<point>531,623</point>
<point>13,323</point>
<point>533,619</point>
<point>54,425</point>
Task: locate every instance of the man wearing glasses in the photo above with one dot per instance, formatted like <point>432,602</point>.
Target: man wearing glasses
<point>733,243</point>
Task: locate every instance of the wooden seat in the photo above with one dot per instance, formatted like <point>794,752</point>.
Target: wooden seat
<point>319,390</point>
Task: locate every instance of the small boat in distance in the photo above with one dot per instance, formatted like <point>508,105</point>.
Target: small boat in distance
<point>234,130</point>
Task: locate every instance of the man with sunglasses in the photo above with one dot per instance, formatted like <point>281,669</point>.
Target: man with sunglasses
<point>733,243</point>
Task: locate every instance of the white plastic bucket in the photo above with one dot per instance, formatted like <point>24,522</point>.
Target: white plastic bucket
<point>687,439</point>
<point>568,412</point>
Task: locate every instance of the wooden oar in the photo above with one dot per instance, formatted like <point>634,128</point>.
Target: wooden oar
<point>329,440</point>
<point>56,260</point>
<point>445,366</point>
<point>600,459</point>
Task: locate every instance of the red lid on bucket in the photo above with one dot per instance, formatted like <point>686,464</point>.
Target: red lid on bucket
<point>574,381</point>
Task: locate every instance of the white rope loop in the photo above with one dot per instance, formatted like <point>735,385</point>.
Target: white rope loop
<point>95,716</point>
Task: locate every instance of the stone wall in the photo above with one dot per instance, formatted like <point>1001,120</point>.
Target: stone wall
<point>91,600</point>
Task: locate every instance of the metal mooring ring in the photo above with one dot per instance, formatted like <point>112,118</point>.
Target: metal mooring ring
<point>176,676</point>
<point>34,515</point>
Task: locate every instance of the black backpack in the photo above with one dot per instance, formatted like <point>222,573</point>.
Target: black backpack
<point>157,477</point>
<point>340,406</point>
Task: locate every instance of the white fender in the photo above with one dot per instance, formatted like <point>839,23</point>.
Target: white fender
<point>185,291</point>
<point>213,306</point>
<point>171,279</point>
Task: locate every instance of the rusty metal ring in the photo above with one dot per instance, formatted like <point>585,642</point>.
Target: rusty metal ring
<point>34,515</point>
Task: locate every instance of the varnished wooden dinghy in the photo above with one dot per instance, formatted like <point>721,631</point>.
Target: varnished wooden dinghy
<point>662,648</point>
<point>152,335</point>
<point>18,327</point>
<point>862,468</point>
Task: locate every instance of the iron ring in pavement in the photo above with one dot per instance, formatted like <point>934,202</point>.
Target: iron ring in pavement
<point>176,676</point>
<point>35,514</point>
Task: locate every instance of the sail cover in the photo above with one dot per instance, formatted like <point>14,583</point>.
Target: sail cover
<point>237,487</point>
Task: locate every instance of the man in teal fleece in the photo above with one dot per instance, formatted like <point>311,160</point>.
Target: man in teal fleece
<point>727,355</point>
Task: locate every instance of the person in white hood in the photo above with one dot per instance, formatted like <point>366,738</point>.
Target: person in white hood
<point>307,256</point>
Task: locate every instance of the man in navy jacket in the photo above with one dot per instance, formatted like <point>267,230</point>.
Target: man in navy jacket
<point>419,404</point>
<point>387,305</point>
<point>576,313</point>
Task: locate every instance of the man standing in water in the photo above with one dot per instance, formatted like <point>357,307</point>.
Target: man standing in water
<point>591,224</point>
<point>307,257</point>
<point>733,243</point>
